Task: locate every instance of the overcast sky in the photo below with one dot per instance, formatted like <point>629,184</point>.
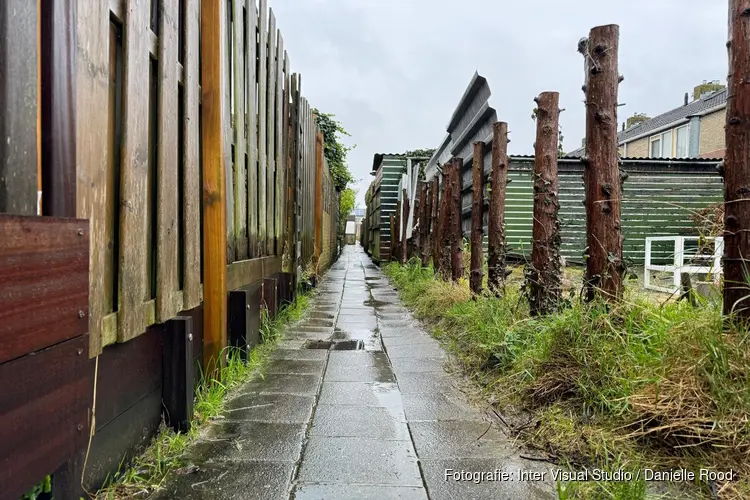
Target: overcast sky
<point>392,71</point>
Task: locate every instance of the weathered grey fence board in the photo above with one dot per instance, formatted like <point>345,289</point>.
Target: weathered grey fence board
<point>262,124</point>
<point>168,176</point>
<point>239,114</point>
<point>133,222</point>
<point>271,135</point>
<point>252,124</point>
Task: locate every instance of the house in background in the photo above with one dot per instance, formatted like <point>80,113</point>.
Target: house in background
<point>694,130</point>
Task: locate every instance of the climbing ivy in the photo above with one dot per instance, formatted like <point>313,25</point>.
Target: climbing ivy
<point>335,151</point>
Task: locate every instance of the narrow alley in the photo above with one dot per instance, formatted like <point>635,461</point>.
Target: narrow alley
<point>382,422</point>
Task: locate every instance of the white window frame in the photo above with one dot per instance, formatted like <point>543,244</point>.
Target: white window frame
<point>672,151</point>
<point>651,142</point>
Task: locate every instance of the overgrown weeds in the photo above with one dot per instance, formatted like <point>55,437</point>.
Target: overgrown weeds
<point>632,385</point>
<point>147,472</point>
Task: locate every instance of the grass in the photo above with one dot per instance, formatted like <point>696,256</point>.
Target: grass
<point>147,472</point>
<point>640,384</point>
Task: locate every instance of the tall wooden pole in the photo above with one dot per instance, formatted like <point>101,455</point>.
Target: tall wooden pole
<point>736,260</point>
<point>424,224</point>
<point>213,55</point>
<point>396,235</point>
<point>604,266</point>
<point>543,276</point>
<point>456,232</point>
<point>404,224</point>
<point>496,268</point>
<point>436,236</point>
<point>393,238</point>
<point>444,252</point>
<point>477,218</point>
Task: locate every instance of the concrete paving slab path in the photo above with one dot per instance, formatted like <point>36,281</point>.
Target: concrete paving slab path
<point>383,422</point>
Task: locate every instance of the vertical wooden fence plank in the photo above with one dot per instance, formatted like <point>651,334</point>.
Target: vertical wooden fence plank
<point>167,190</point>
<point>252,125</point>
<point>191,167</point>
<point>228,103</point>
<point>93,196</point>
<point>213,36</point>
<point>134,174</point>
<point>240,173</point>
<point>286,212</point>
<point>262,124</point>
<point>18,107</point>
<point>271,131</point>
<point>280,157</point>
<point>318,194</point>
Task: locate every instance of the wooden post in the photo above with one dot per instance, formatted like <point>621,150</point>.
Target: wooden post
<point>544,274</point>
<point>393,237</point>
<point>404,224</point>
<point>496,269</point>
<point>435,223</point>
<point>456,232</point>
<point>604,265</point>
<point>424,223</point>
<point>736,261</point>
<point>477,218</point>
<point>396,235</point>
<point>213,38</point>
<point>58,65</point>
<point>444,253</point>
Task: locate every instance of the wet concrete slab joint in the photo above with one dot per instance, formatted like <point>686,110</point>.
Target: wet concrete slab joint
<point>354,460</point>
<point>357,491</point>
<point>237,441</point>
<point>283,408</point>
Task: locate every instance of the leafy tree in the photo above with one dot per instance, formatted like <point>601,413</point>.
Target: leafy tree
<point>348,199</point>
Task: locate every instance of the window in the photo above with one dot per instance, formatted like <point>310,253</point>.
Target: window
<point>656,147</point>
<point>681,143</point>
<point>670,144</point>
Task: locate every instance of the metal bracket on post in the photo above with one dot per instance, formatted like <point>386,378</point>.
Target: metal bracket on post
<point>178,378</point>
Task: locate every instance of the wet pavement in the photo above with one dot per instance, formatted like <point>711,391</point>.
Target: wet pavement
<point>383,422</point>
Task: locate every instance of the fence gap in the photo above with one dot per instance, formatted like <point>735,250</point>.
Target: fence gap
<point>153,180</point>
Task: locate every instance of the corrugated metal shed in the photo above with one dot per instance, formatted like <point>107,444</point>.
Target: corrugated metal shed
<point>659,199</point>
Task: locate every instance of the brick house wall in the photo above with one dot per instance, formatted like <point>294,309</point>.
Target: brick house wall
<point>712,135</point>
<point>638,148</point>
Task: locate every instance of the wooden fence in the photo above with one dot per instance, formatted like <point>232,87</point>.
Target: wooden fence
<point>199,166</point>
